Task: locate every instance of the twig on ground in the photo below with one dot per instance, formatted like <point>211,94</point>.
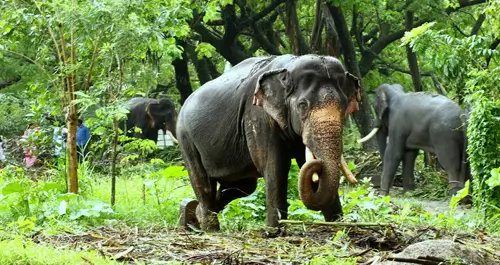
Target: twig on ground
<point>231,254</point>
<point>335,223</point>
<point>374,260</point>
<point>123,253</point>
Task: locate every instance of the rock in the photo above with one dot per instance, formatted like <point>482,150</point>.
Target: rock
<point>444,249</point>
<point>187,211</point>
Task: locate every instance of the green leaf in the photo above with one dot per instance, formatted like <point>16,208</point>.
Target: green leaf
<point>63,206</point>
<point>351,165</point>
<point>12,187</point>
<point>205,50</point>
<point>494,180</point>
<point>459,196</point>
<point>51,186</point>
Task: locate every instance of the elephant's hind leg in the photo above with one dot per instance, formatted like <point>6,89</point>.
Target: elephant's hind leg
<point>204,188</point>
<point>408,169</point>
<point>229,191</point>
<point>449,155</point>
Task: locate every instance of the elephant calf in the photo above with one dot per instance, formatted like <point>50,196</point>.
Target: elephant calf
<point>419,120</point>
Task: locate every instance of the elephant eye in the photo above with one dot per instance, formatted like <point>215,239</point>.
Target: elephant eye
<point>303,105</point>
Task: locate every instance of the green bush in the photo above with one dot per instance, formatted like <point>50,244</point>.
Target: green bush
<point>12,119</point>
<point>483,148</point>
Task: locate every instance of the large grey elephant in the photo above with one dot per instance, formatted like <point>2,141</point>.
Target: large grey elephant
<point>151,115</point>
<point>419,120</point>
<point>252,120</point>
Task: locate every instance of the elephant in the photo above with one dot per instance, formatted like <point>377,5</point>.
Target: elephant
<point>257,116</point>
<point>419,120</point>
<point>151,115</point>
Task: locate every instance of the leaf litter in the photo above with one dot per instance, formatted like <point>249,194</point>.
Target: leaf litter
<point>290,245</point>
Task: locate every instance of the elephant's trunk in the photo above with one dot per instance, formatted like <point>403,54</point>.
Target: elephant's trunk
<point>323,140</point>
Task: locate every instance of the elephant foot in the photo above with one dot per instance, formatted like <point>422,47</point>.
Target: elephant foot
<point>209,221</point>
<point>408,187</point>
<point>187,212</point>
<point>383,192</point>
<point>454,188</point>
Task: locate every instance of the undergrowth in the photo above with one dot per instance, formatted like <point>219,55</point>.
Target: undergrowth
<point>148,196</point>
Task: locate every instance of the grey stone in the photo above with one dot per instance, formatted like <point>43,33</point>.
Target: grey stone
<point>444,249</point>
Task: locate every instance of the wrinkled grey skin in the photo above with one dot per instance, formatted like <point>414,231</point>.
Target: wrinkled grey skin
<point>150,115</point>
<point>419,120</point>
<point>252,120</point>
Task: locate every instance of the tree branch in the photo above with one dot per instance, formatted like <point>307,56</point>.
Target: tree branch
<point>266,11</point>
<point>231,30</point>
<point>478,24</point>
<point>264,42</point>
<point>493,46</point>
<point>365,64</point>
<point>463,4</point>
<point>459,30</point>
<point>437,85</point>
<point>230,51</point>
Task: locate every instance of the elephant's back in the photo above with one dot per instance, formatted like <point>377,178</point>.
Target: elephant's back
<point>138,101</point>
<point>438,112</point>
<point>228,91</point>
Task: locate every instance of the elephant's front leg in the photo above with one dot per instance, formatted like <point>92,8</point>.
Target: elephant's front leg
<point>408,169</point>
<point>392,158</point>
<point>276,180</point>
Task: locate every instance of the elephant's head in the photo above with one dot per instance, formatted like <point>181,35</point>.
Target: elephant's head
<point>163,116</point>
<point>383,95</point>
<point>309,98</point>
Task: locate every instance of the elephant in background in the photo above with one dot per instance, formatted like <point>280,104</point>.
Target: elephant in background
<point>253,119</point>
<point>419,120</point>
<point>151,115</point>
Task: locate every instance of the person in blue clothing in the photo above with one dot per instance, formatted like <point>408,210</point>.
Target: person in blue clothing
<point>82,139</point>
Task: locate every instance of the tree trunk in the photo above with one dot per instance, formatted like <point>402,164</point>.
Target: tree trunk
<point>298,46</point>
<point>72,117</point>
<point>412,58</point>
<point>363,118</point>
<point>332,37</point>
<point>182,74</point>
<point>201,66</point>
<point>72,155</point>
<point>319,21</point>
<point>113,162</point>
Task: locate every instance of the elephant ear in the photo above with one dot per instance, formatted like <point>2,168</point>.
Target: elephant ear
<point>152,110</point>
<point>381,104</point>
<point>353,87</point>
<point>271,91</point>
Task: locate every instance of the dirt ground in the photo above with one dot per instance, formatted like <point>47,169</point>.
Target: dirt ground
<point>295,244</point>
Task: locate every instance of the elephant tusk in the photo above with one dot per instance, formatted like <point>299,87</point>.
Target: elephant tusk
<point>169,133</point>
<point>309,157</point>
<point>346,172</point>
<point>369,136</point>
